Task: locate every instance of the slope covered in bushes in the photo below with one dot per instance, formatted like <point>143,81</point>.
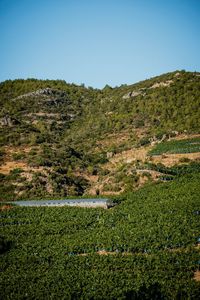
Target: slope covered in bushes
<point>56,137</point>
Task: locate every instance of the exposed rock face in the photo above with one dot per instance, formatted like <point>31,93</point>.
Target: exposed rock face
<point>142,90</point>
<point>6,121</point>
<point>127,96</point>
<point>135,94</point>
<point>155,140</point>
<point>175,132</point>
<point>161,84</point>
<point>132,94</point>
<point>43,92</point>
<point>109,154</point>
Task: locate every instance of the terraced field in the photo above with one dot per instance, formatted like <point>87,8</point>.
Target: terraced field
<point>177,146</point>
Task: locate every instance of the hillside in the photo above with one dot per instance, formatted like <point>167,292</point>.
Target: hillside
<point>139,144</point>
<point>60,139</point>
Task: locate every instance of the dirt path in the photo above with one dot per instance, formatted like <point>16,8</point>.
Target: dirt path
<point>125,253</point>
<point>185,136</point>
<point>106,253</point>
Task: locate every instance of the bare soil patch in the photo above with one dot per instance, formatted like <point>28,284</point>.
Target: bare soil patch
<point>197,276</point>
<point>127,157</point>
<point>18,149</point>
<point>171,159</point>
<point>131,156</point>
<point>185,136</point>
<point>10,165</point>
<point>5,207</point>
<point>104,252</point>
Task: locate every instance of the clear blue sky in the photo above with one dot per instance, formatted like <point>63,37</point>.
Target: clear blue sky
<point>98,42</point>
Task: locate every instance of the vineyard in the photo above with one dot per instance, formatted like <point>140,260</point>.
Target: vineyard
<point>177,146</point>
<point>149,241</point>
<point>61,140</point>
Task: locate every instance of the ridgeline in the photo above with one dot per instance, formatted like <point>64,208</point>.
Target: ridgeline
<point>60,139</point>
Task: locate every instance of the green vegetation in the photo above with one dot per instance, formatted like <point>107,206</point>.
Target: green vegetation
<point>176,171</point>
<point>58,140</point>
<point>177,146</point>
<point>151,238</point>
<point>65,131</point>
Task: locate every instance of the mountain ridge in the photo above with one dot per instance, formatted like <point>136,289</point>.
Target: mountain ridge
<point>72,132</point>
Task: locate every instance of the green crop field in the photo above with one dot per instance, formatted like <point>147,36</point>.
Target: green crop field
<point>174,146</point>
<point>150,240</point>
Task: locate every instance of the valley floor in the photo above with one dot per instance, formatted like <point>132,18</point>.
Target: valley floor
<point>146,247</point>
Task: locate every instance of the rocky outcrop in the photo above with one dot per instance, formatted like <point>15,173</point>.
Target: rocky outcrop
<point>43,92</point>
<point>8,121</point>
<point>161,84</point>
<point>132,94</point>
<point>109,154</point>
<point>141,91</point>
